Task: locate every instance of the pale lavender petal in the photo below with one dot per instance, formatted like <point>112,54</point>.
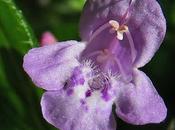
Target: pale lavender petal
<point>139,103</point>
<point>148,28</point>
<point>145,20</point>
<point>50,66</point>
<point>69,113</point>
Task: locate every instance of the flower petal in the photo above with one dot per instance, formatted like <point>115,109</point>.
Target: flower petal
<point>67,113</point>
<point>145,20</point>
<point>139,103</point>
<point>50,66</point>
<point>148,28</point>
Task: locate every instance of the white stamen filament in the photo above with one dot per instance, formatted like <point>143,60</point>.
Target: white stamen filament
<point>99,30</point>
<point>131,43</point>
<point>120,66</point>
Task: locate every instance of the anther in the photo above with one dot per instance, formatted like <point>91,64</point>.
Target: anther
<point>119,29</point>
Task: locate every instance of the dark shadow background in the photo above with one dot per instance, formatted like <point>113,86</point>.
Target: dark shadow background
<point>62,17</point>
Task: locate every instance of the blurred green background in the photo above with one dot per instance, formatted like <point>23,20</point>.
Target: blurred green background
<point>20,99</point>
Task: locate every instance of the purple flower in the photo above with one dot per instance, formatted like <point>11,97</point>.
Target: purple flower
<point>85,79</point>
<point>47,38</point>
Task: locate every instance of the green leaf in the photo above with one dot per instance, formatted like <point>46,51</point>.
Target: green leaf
<point>20,103</point>
<point>76,4</point>
<point>3,40</point>
<point>14,29</point>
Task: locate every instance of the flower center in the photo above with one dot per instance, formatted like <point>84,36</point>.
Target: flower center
<point>106,56</point>
<point>86,81</point>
